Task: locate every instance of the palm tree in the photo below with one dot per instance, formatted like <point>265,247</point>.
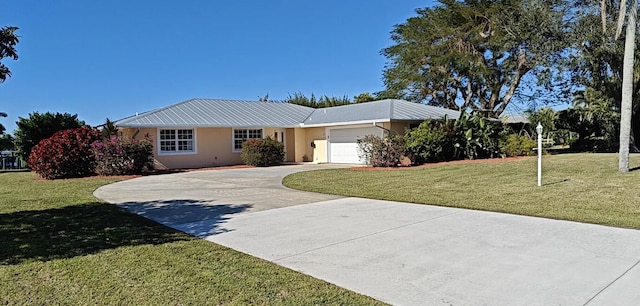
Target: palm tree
<point>627,82</point>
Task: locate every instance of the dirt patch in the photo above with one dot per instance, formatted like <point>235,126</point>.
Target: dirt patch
<point>454,162</point>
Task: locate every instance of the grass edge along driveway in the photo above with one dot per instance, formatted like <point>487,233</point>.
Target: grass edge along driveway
<point>62,246</point>
<point>582,187</point>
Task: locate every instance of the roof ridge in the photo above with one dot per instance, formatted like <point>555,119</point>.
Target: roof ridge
<point>147,113</point>
<point>391,104</point>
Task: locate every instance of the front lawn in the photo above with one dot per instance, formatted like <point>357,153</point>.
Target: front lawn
<point>59,245</point>
<point>577,187</point>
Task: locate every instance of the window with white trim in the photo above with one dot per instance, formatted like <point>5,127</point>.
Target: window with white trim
<point>177,141</point>
<point>242,135</point>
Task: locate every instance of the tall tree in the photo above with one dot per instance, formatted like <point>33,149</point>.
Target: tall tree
<point>598,63</point>
<point>6,142</point>
<point>595,119</point>
<point>476,53</point>
<point>626,107</point>
<point>30,131</point>
<point>8,42</point>
<point>364,97</point>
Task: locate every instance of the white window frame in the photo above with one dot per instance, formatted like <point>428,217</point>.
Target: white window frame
<point>177,152</point>
<point>233,137</point>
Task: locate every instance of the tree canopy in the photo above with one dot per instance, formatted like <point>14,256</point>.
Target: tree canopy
<point>597,64</point>
<point>8,42</point>
<point>315,102</point>
<point>476,54</point>
<point>326,101</point>
<point>6,140</point>
<point>30,131</point>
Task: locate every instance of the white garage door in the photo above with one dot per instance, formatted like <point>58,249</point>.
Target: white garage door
<point>343,146</point>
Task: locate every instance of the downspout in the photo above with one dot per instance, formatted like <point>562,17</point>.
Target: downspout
<point>135,134</point>
<point>137,131</point>
<point>382,127</point>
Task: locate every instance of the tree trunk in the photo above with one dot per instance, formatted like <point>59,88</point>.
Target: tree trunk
<point>632,143</point>
<point>627,89</point>
<point>635,130</point>
<point>603,16</point>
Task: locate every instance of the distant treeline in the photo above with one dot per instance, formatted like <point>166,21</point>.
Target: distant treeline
<point>326,101</point>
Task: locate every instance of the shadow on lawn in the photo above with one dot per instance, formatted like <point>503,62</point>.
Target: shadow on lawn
<point>76,231</point>
<point>555,182</point>
<point>195,217</point>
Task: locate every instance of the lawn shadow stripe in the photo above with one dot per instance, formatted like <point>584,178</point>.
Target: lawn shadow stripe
<point>555,182</point>
<point>43,235</point>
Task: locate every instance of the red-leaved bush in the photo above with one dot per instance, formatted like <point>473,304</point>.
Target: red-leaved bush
<point>123,156</point>
<point>66,154</point>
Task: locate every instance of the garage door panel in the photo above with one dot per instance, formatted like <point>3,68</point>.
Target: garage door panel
<point>343,144</point>
<point>344,153</point>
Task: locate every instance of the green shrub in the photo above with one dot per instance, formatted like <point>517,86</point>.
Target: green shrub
<point>517,145</point>
<point>476,137</point>
<point>381,152</point>
<point>122,156</point>
<point>470,137</point>
<point>262,152</point>
<point>429,142</point>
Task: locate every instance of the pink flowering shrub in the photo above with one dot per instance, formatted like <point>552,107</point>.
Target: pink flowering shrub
<point>381,152</point>
<point>122,156</point>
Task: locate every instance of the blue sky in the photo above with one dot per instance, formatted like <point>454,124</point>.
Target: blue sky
<point>113,58</point>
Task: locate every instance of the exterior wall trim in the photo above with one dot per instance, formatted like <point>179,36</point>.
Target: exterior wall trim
<point>233,131</point>
<point>195,141</point>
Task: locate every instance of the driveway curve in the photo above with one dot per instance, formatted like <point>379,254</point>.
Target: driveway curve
<point>401,253</point>
<point>198,202</point>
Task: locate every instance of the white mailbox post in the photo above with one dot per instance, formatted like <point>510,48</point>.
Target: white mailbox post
<point>539,130</point>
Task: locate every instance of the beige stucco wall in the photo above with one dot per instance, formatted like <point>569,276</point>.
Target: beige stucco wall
<point>290,145</point>
<point>303,137</point>
<point>213,148</point>
<point>126,132</point>
<point>397,127</point>
<point>312,135</point>
<point>320,152</point>
<point>299,146</point>
<point>214,145</point>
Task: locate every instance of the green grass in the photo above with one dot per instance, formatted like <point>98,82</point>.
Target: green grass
<point>59,245</point>
<point>577,187</point>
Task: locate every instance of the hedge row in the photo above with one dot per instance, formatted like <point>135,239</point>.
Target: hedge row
<point>83,152</point>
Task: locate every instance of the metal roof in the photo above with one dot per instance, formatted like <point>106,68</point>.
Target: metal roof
<point>405,110</point>
<point>383,110</point>
<point>221,113</point>
<point>236,113</point>
<point>514,118</point>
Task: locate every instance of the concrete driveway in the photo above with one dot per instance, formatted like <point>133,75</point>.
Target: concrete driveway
<point>401,253</point>
<point>198,202</point>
